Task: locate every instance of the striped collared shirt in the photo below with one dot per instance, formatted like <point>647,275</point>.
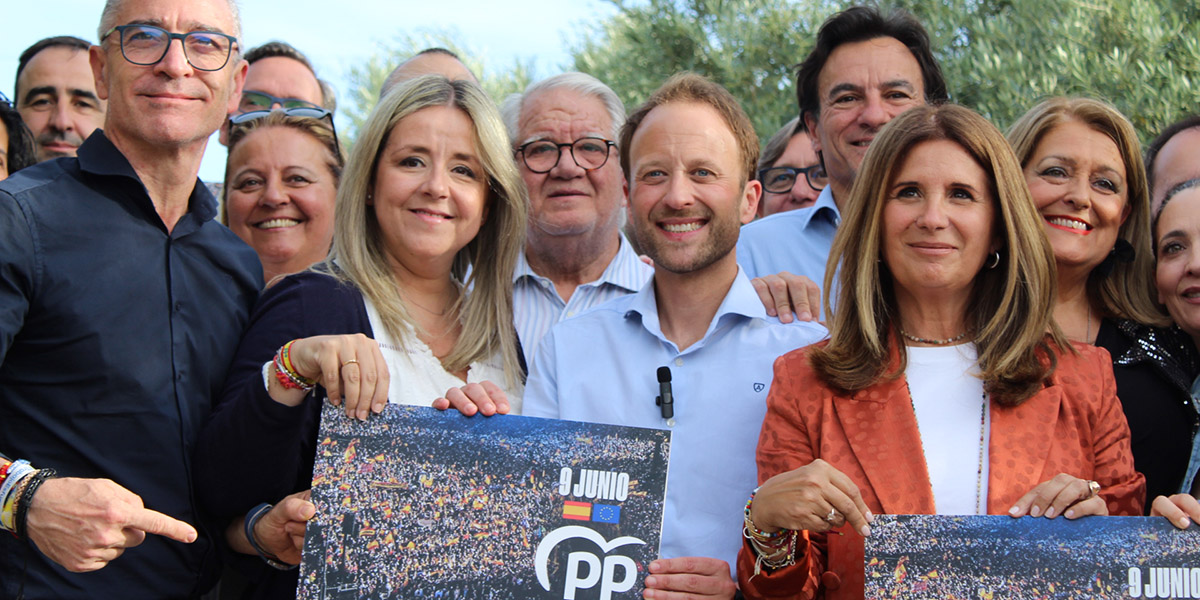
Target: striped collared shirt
<point>537,305</point>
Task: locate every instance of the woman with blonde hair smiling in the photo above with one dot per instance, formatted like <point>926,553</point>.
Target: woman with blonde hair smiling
<point>431,206</point>
<point>1083,164</point>
<point>945,386</point>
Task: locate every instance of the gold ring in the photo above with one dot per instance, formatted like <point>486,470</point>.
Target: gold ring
<point>350,362</point>
<point>1093,488</point>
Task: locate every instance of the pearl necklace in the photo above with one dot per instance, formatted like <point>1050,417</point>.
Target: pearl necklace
<point>980,508</point>
<point>912,338</point>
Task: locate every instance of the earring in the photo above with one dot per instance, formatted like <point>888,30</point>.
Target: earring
<point>993,260</point>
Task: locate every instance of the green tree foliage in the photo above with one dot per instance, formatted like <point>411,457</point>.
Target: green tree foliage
<point>1002,57</point>
<point>749,46</point>
<point>999,56</point>
<point>365,80</point>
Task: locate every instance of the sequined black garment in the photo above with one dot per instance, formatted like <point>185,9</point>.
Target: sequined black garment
<point>1154,369</point>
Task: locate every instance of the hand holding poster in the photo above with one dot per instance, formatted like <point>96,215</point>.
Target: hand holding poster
<point>999,557</point>
<point>418,503</point>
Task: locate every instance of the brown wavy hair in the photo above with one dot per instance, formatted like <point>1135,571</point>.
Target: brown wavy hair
<point>1015,354</point>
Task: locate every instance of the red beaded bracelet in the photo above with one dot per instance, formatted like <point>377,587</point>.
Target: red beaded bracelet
<point>287,375</point>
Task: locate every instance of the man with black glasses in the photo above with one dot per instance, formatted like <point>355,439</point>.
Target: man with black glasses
<point>564,130</point>
<point>123,301</point>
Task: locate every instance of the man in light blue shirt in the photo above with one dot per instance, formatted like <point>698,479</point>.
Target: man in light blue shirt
<point>796,241</point>
<point>690,154</point>
<point>563,129</point>
<point>864,70</point>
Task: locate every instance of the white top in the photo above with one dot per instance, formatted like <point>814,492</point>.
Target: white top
<point>949,402</point>
<point>417,376</point>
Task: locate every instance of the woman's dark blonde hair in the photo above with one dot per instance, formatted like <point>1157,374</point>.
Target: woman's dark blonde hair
<point>358,248</point>
<point>319,129</point>
<point>1011,305</point>
<point>1126,292</point>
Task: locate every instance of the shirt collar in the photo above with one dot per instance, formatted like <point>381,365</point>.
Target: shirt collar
<point>99,156</point>
<point>625,270</point>
<point>826,207</point>
<point>741,301</point>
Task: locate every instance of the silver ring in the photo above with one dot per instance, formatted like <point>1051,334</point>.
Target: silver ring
<point>1093,488</point>
<point>832,516</point>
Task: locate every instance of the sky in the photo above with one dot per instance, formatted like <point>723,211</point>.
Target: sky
<point>337,35</point>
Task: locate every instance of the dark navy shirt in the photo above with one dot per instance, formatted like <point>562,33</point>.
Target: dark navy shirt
<point>115,335</point>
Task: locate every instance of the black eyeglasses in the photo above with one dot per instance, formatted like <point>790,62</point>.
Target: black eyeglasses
<point>779,180</point>
<point>147,45</point>
<point>254,100</point>
<point>589,153</point>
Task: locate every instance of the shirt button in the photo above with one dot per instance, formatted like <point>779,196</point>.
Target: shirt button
<point>178,306</point>
<point>545,284</point>
<point>570,313</point>
<point>679,362</point>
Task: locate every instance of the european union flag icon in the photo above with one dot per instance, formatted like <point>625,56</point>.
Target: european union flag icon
<point>606,513</point>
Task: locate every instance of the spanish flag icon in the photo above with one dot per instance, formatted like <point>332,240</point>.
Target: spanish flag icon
<point>577,511</point>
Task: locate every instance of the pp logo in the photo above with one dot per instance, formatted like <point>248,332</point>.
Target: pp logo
<point>604,574</point>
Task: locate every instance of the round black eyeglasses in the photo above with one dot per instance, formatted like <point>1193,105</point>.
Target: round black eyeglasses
<point>590,153</point>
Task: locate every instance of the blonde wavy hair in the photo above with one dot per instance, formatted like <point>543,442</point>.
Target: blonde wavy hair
<point>359,255</point>
<point>1015,354</point>
<point>1126,292</point>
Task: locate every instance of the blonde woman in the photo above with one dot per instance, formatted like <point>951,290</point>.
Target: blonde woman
<point>1083,164</point>
<point>930,397</point>
<point>430,193</point>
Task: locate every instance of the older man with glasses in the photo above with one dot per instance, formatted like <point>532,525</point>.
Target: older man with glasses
<point>563,130</point>
<point>123,304</point>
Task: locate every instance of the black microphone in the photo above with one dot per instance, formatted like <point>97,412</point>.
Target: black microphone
<point>664,398</point>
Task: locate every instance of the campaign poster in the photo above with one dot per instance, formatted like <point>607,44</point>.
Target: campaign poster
<point>998,557</point>
<point>418,503</point>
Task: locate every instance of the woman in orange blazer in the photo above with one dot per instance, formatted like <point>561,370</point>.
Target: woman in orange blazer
<point>945,386</point>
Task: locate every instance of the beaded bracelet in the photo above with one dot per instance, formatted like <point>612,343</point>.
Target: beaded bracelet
<point>252,519</point>
<point>774,550</point>
<point>286,373</point>
<point>26,499</point>
<point>749,531</point>
<point>16,474</point>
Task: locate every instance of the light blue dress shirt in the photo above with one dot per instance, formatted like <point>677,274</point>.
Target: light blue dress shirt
<point>537,305</point>
<point>601,367</point>
<point>796,241</point>
<point>1189,477</point>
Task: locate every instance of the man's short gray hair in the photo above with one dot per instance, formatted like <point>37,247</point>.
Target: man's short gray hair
<point>580,82</point>
<point>108,19</point>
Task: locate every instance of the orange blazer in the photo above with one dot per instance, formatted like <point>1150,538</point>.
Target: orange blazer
<point>1072,425</point>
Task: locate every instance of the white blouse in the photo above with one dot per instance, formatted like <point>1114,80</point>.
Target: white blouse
<point>417,376</point>
<point>954,421</point>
